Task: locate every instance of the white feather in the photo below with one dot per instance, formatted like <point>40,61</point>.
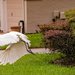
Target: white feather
<point>16,48</point>
<point>12,37</point>
<point>8,38</point>
<point>21,36</point>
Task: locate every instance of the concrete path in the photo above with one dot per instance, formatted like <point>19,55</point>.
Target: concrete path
<point>40,50</point>
<point>35,50</point>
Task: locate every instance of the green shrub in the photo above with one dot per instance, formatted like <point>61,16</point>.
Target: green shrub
<point>70,15</point>
<point>63,42</point>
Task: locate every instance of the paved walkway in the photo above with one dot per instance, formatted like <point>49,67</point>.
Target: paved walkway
<point>36,50</point>
<point>40,50</point>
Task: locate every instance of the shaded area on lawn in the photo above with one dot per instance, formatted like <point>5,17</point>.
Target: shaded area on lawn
<point>69,62</point>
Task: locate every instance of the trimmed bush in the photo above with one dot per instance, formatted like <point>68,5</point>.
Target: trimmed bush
<point>54,32</point>
<point>64,43</point>
<point>58,25</point>
<point>49,34</point>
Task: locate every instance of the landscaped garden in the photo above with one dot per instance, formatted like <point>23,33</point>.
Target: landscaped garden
<point>38,64</point>
<point>59,37</point>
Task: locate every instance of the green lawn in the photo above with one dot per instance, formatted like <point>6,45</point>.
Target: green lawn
<point>3,47</point>
<point>36,40</point>
<point>37,64</point>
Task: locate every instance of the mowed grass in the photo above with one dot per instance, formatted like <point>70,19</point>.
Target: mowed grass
<point>3,47</point>
<point>36,41</point>
<point>38,64</point>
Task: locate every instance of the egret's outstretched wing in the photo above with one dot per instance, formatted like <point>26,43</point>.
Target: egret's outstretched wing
<point>8,38</point>
<point>17,48</point>
<point>12,37</point>
<point>13,54</point>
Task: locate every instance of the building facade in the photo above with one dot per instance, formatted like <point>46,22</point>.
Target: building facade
<point>0,14</point>
<point>32,12</point>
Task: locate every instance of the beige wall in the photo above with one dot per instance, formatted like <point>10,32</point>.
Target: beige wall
<point>41,11</point>
<point>0,14</point>
<point>0,7</point>
<point>14,12</point>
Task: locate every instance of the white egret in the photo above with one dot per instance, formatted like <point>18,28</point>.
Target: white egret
<point>18,47</point>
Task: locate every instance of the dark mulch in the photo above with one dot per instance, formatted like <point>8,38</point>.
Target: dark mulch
<point>69,62</point>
